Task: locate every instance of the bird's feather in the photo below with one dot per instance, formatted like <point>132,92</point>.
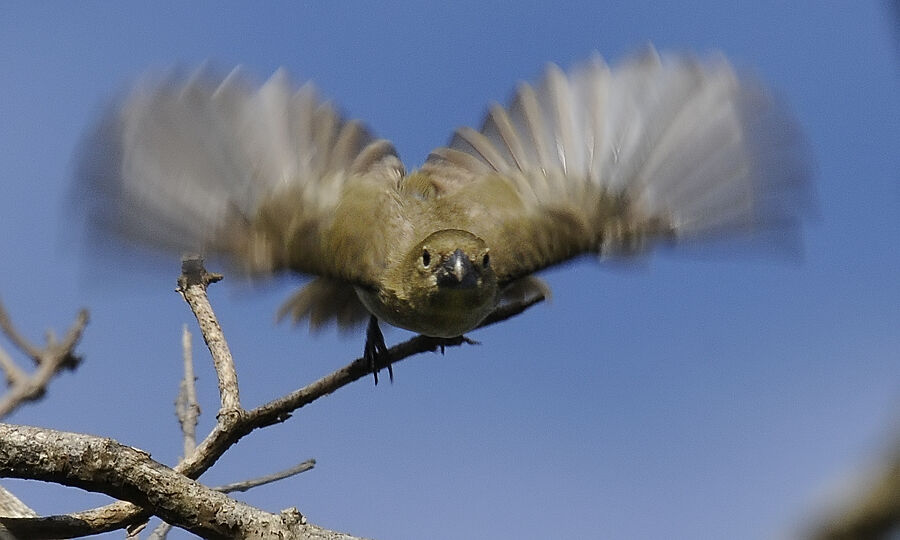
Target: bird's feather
<point>219,166</point>
<point>611,161</point>
<point>597,160</point>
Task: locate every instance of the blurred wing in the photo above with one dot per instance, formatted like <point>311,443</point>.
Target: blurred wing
<point>609,161</point>
<point>323,301</point>
<point>222,167</point>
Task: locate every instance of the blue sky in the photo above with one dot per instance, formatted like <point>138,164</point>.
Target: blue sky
<point>723,397</point>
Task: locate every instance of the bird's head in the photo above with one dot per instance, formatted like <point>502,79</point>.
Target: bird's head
<point>446,283</point>
<point>452,259</point>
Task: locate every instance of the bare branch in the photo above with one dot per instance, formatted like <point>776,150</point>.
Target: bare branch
<point>160,532</point>
<point>105,466</point>
<point>268,479</point>
<point>16,338</point>
<point>233,427</point>
<point>280,409</point>
<point>192,286</point>
<point>50,360</point>
<point>187,409</point>
<point>163,528</point>
<point>10,505</point>
<point>13,373</point>
<point>102,465</point>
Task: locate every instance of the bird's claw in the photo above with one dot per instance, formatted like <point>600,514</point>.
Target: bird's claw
<point>375,349</point>
<point>451,342</point>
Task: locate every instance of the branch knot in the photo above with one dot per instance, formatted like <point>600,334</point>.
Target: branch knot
<point>193,272</point>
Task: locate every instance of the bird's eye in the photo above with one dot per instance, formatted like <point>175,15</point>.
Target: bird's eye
<point>486,261</point>
<point>426,258</point>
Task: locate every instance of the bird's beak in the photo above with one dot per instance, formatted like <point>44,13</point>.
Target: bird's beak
<point>457,272</point>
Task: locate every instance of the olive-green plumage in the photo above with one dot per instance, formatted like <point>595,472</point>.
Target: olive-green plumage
<point>603,161</point>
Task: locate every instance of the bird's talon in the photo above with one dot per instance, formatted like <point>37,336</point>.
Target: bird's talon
<point>443,343</point>
<point>375,350</point>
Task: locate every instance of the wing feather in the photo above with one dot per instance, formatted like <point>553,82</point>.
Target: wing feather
<point>498,126</point>
<point>224,167</point>
<point>609,160</point>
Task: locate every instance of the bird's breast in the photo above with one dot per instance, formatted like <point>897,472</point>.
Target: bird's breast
<point>447,313</point>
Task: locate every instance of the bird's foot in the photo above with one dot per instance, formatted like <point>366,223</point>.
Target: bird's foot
<point>453,342</point>
<point>375,350</point>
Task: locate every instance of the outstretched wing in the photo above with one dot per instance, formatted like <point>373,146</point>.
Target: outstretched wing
<point>609,161</point>
<point>223,167</point>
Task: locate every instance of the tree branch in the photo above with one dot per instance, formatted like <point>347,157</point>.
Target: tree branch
<point>24,387</point>
<point>246,485</point>
<point>192,286</point>
<point>105,466</point>
<point>187,409</point>
<point>236,423</point>
<point>50,360</point>
<point>17,339</point>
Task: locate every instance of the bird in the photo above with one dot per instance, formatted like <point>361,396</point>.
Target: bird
<point>662,149</point>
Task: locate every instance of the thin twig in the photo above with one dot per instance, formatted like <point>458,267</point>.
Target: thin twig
<point>16,338</point>
<point>268,479</point>
<point>13,373</point>
<point>187,409</point>
<point>192,286</point>
<point>50,360</point>
<point>160,532</point>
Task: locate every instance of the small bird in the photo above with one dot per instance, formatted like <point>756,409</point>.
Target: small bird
<point>603,161</point>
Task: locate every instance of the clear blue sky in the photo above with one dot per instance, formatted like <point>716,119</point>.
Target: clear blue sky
<point>720,398</point>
